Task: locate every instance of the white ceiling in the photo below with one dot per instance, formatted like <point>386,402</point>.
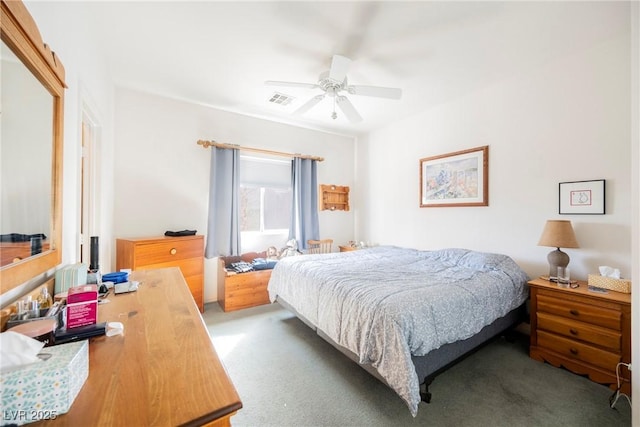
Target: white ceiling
<point>220,53</point>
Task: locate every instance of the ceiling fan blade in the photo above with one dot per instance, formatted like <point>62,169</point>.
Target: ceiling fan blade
<point>380,92</point>
<point>309,104</point>
<point>291,84</point>
<point>339,67</point>
<point>348,109</point>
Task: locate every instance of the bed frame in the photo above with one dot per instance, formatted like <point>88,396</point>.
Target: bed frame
<point>437,361</point>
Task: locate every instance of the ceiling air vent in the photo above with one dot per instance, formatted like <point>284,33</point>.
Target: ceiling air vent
<point>281,99</point>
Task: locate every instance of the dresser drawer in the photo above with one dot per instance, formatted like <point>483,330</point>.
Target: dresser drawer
<point>582,331</point>
<point>575,350</point>
<point>167,251</point>
<point>188,267</point>
<point>583,312</point>
<point>193,272</point>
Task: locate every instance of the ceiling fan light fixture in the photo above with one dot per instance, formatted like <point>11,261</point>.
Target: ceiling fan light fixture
<point>334,81</point>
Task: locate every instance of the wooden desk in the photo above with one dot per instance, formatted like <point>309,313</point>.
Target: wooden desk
<point>164,371</point>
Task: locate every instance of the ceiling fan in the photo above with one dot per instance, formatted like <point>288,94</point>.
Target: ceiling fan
<point>334,84</point>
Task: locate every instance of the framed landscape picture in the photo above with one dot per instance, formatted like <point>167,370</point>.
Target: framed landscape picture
<point>582,198</point>
<point>455,179</point>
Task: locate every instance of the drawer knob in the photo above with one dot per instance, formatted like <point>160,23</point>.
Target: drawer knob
<point>573,351</point>
<point>173,251</point>
<point>573,331</point>
<point>574,312</point>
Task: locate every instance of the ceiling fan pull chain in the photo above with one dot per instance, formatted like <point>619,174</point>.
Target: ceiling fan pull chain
<point>334,115</point>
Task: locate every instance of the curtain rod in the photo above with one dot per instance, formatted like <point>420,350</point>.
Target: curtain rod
<point>207,144</point>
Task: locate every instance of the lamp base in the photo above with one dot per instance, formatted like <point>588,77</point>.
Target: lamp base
<point>557,259</point>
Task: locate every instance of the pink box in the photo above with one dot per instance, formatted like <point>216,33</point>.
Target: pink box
<point>82,305</point>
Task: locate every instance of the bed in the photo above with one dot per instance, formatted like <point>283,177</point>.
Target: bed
<point>403,314</point>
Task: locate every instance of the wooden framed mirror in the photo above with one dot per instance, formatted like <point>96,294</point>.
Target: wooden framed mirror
<point>32,124</point>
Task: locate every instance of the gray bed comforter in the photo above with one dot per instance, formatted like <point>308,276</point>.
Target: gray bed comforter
<point>388,303</point>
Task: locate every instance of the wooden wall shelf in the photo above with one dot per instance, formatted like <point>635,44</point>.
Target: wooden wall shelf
<point>334,197</point>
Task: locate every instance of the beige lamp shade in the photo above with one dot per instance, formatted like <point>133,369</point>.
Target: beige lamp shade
<point>558,234</point>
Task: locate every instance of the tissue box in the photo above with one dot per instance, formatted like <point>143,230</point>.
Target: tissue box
<point>82,306</point>
<point>44,390</point>
<point>69,276</point>
<point>618,285</point>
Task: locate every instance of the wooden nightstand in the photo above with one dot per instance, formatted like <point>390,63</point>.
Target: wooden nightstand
<point>347,248</point>
<point>588,333</point>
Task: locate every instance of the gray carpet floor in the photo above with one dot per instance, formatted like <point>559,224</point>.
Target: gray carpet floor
<point>286,375</point>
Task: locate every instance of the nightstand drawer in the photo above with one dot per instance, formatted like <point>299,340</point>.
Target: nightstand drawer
<point>581,331</point>
<point>576,350</point>
<point>583,312</point>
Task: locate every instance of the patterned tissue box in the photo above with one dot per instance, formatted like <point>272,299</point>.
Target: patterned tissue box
<point>44,390</point>
<point>618,285</point>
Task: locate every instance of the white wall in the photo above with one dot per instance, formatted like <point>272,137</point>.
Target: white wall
<point>566,120</point>
<point>162,175</point>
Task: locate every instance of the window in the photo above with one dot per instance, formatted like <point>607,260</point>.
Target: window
<point>265,195</point>
<point>264,209</point>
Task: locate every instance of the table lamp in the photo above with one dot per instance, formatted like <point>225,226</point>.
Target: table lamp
<point>558,234</point>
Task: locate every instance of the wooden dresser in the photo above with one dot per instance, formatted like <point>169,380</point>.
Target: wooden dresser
<point>186,252</point>
<point>164,370</point>
<point>586,332</point>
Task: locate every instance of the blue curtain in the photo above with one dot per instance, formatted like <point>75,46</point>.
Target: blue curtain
<point>304,210</point>
<point>223,229</point>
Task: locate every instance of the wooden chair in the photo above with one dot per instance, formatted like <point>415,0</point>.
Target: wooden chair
<point>319,246</point>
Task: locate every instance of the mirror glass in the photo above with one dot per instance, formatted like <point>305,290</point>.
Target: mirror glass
<point>26,161</point>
